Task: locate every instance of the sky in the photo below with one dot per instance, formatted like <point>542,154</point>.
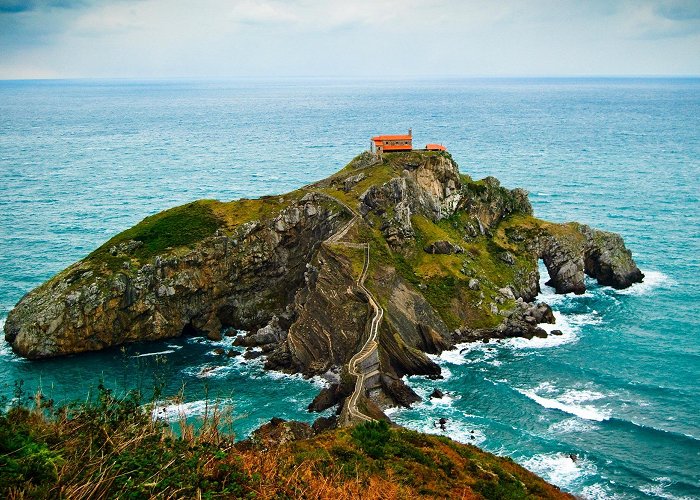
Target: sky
<point>347,38</point>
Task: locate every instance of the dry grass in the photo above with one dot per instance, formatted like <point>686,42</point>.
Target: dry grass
<point>112,448</point>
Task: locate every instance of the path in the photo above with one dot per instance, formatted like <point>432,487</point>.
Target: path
<point>370,347</point>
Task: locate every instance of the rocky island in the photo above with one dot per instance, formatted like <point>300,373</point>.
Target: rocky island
<point>357,277</point>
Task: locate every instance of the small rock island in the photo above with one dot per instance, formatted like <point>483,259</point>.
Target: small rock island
<point>357,276</point>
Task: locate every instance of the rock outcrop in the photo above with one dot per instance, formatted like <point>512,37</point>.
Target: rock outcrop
<point>447,259</point>
<point>239,280</point>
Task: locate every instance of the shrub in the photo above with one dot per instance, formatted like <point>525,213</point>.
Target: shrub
<point>372,438</point>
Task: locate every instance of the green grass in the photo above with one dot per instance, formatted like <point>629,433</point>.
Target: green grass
<point>176,227</point>
<point>183,226</point>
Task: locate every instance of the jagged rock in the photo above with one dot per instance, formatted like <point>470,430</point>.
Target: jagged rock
<point>330,317</point>
<point>508,258</point>
<point>322,424</point>
<point>279,359</point>
<point>436,394</point>
<point>351,181</point>
<point>556,332</point>
<point>608,260</point>
<point>522,321</point>
<point>232,353</point>
<point>330,396</point>
<point>443,247</point>
<point>271,333</point>
<point>399,392</point>
<point>279,431</point>
<point>474,284</point>
<point>582,250</point>
<point>507,293</point>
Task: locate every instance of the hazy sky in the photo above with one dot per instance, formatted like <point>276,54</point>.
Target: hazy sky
<point>394,38</point>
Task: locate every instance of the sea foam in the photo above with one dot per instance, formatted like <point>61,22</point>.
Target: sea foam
<point>652,280</point>
<point>571,425</point>
<point>658,489</point>
<point>568,402</point>
<point>147,354</point>
<point>454,429</point>
<point>175,411</point>
<point>559,468</point>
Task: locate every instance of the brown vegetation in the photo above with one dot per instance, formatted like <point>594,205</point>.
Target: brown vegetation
<point>109,448</point>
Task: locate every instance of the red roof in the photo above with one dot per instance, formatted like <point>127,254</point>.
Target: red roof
<point>398,147</point>
<point>435,147</point>
<point>392,138</point>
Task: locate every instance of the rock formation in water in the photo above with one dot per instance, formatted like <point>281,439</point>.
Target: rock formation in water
<point>450,260</point>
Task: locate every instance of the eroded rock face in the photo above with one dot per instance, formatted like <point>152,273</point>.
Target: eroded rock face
<point>598,254</point>
<point>431,188</point>
<point>608,260</point>
<point>239,281</point>
<point>330,318</point>
<point>487,204</point>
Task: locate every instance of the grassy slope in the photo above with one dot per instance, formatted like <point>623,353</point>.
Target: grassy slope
<point>112,448</point>
<point>179,228</point>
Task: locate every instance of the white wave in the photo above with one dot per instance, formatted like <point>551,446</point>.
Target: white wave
<point>6,348</point>
<point>585,412</point>
<point>175,411</point>
<point>576,396</point>
<point>174,346</point>
<point>145,355</point>
<point>452,357</point>
<point>569,324</point>
<point>209,371</point>
<point>6,352</point>
<point>570,426</point>
<point>317,380</point>
<point>598,492</point>
<point>652,280</point>
<point>445,400</point>
<point>559,468</point>
<point>486,351</point>
<point>658,489</point>
<point>454,429</point>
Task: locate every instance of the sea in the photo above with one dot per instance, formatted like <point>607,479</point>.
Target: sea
<point>609,409</point>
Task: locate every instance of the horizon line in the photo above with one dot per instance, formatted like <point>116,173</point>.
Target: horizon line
<point>363,77</point>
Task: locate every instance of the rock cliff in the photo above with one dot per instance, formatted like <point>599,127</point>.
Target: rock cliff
<point>447,259</point>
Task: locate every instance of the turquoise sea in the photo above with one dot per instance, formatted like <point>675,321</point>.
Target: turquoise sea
<point>82,160</point>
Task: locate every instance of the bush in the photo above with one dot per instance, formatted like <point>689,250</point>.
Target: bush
<point>373,438</point>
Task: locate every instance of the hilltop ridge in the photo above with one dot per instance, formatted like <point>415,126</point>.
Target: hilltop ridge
<point>400,255</point>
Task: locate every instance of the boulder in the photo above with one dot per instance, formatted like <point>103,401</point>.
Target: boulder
<point>436,394</point>
<point>443,247</point>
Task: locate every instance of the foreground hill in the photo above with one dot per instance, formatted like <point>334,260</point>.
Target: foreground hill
<point>357,277</point>
<point>113,449</point>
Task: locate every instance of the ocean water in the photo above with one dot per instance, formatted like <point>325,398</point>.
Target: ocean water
<point>619,390</point>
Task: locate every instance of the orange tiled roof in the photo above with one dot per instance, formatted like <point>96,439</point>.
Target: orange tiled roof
<point>392,138</point>
<point>435,147</point>
<point>398,147</point>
